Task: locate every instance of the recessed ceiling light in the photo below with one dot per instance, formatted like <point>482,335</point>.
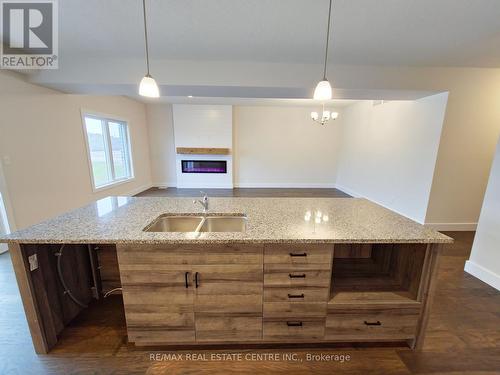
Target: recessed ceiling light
<point>190,96</point>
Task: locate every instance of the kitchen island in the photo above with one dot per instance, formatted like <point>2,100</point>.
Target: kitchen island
<point>302,270</point>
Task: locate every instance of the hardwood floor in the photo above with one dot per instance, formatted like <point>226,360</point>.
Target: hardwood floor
<point>244,192</point>
<point>463,338</point>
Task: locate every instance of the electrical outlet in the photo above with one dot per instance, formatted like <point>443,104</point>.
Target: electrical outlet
<point>33,261</point>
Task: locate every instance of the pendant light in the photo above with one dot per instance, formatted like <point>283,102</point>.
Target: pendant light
<point>148,86</point>
<point>323,90</point>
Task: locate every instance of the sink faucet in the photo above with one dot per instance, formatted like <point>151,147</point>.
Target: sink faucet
<point>203,201</point>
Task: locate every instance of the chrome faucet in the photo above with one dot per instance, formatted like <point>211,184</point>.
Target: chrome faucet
<point>203,201</point>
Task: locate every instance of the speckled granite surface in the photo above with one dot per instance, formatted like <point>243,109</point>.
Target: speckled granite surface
<point>270,220</point>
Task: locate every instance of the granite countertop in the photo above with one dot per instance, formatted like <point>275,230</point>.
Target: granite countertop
<point>270,220</point>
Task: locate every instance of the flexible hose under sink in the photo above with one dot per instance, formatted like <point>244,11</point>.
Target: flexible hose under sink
<point>61,279</point>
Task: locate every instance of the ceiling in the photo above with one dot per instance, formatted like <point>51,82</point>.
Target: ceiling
<point>270,49</point>
<point>365,32</point>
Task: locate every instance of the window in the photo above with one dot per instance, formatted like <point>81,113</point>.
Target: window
<point>109,153</point>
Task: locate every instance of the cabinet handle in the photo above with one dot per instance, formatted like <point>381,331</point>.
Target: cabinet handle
<point>294,324</point>
<point>186,279</point>
<point>196,280</point>
<point>296,295</point>
<point>298,255</point>
<point>377,323</point>
<point>301,276</point>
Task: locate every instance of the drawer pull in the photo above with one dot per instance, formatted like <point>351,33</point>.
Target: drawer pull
<point>186,279</point>
<point>294,324</point>
<point>296,295</point>
<point>377,323</point>
<point>298,255</point>
<point>301,276</point>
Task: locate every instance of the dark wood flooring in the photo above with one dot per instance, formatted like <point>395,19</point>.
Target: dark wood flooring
<point>244,192</point>
<point>463,338</point>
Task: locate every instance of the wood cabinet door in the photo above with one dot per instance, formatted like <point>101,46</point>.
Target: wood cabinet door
<point>228,302</point>
<point>158,298</point>
<point>158,305</point>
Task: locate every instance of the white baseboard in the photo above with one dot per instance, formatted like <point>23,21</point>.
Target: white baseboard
<point>483,274</point>
<point>290,185</point>
<point>286,185</point>
<point>164,185</point>
<point>204,186</point>
<point>346,190</point>
<point>452,227</point>
<point>138,190</point>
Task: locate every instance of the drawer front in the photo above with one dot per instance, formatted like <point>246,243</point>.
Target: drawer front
<point>293,309</point>
<point>286,329</point>
<point>159,324</point>
<point>298,254</point>
<point>219,303</point>
<point>228,328</point>
<point>296,294</point>
<point>190,254</point>
<point>372,324</point>
<point>300,275</point>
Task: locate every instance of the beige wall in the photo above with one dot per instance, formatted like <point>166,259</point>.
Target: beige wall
<point>470,132</point>
<point>161,142</point>
<point>388,152</point>
<point>41,133</point>
<point>280,146</point>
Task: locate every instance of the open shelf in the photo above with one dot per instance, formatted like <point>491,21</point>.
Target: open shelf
<point>377,273</point>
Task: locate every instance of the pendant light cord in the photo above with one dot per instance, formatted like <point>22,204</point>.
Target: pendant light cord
<point>146,35</point>
<point>327,39</point>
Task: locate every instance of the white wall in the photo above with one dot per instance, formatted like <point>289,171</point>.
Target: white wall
<point>42,146</point>
<point>388,152</point>
<point>484,261</point>
<point>204,126</point>
<point>280,146</point>
<point>161,143</point>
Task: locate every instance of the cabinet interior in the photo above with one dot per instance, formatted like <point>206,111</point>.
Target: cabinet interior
<point>88,272</point>
<point>378,271</point>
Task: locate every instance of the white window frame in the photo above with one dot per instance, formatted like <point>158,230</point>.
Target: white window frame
<point>107,144</point>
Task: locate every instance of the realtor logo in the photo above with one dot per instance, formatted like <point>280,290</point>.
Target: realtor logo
<point>29,34</point>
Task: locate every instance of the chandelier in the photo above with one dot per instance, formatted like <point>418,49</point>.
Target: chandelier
<point>325,116</point>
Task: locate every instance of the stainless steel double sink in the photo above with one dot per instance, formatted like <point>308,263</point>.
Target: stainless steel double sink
<point>190,223</point>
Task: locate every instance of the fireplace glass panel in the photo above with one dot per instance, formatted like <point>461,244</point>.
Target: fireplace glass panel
<point>204,166</point>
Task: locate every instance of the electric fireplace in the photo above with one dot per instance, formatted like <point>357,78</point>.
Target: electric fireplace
<point>204,166</point>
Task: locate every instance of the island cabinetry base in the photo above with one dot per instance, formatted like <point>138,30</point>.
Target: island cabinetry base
<point>240,293</point>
